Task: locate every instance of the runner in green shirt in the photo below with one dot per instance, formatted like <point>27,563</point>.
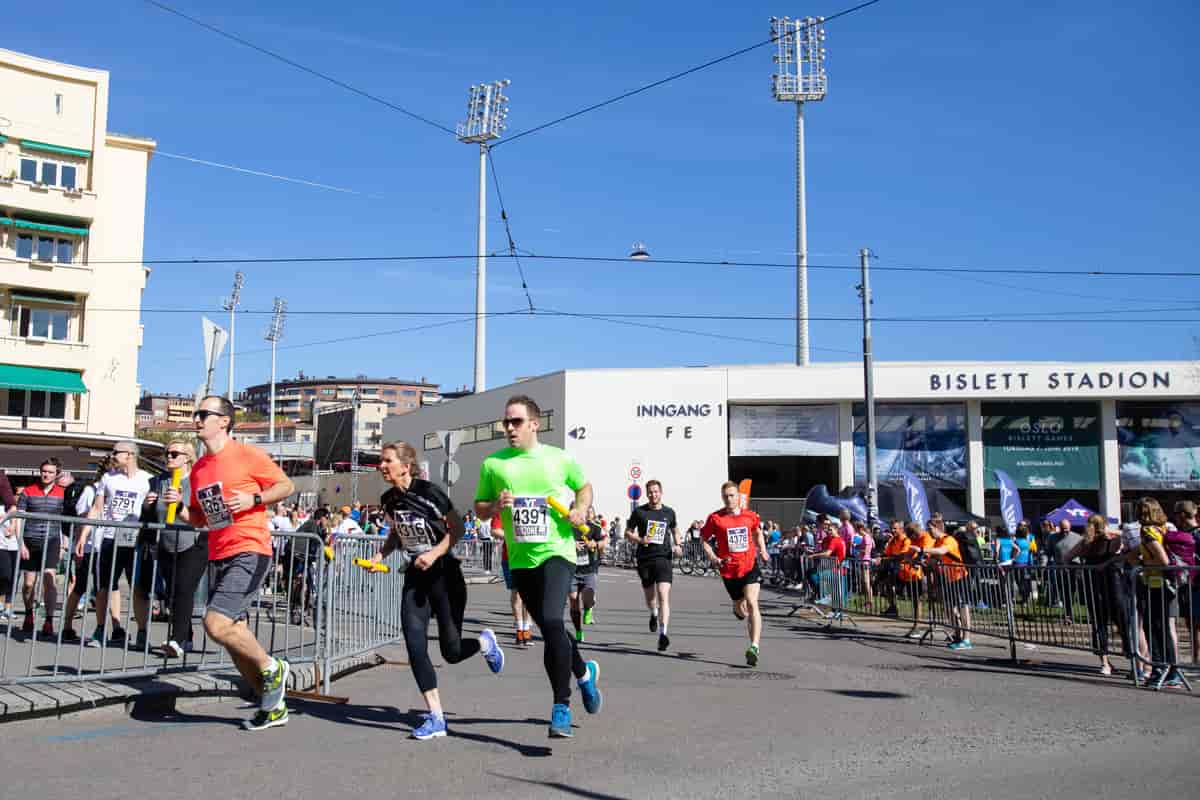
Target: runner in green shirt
<point>515,483</point>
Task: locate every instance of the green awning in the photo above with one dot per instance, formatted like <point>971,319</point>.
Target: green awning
<point>3,138</point>
<point>33,298</point>
<point>41,380</point>
<point>42,226</point>
<point>45,147</point>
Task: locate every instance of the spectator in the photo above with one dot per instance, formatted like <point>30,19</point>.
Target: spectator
<point>889,566</point>
<point>952,578</point>
<point>828,577</point>
<point>912,573</point>
<point>345,525</point>
<point>182,553</point>
<point>1023,553</point>
<point>1157,605</point>
<point>41,545</point>
<point>861,546</point>
<point>82,552</point>
<point>1188,522</point>
<point>1099,549</point>
<point>1003,547</point>
<point>10,550</point>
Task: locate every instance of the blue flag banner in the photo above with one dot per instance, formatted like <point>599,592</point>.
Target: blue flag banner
<point>1010,501</point>
<point>914,496</point>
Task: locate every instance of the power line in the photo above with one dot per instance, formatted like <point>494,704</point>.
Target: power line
<point>261,174</point>
<point>907,268</point>
<point>316,73</point>
<point>668,79</point>
<point>512,246</point>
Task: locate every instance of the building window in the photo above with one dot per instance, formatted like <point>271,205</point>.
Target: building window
<point>45,248</point>
<point>409,392</point>
<point>370,390</point>
<point>328,391</point>
<point>47,405</point>
<point>373,426</point>
<point>389,392</point>
<point>31,321</point>
<point>51,172</point>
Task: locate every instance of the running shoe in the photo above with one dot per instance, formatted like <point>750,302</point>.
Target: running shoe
<point>492,653</point>
<point>579,635</point>
<point>588,617</point>
<point>47,630</point>
<point>653,622</point>
<point>915,633</point>
<point>740,617</point>
<point>70,636</point>
<point>752,656</point>
<point>962,644</point>
<point>274,718</point>
<point>590,689</point>
<point>663,642</point>
<point>171,649</point>
<point>139,643</point>
<point>274,685</point>
<point>97,638</point>
<point>560,722</point>
<point>433,727</point>
<point>1173,681</point>
<point>824,600</point>
<point>117,636</point>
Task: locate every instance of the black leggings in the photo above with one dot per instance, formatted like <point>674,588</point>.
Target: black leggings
<point>544,591</point>
<point>441,591</point>
<point>182,573</point>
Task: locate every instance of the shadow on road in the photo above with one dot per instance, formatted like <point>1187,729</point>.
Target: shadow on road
<point>868,694</point>
<point>562,787</point>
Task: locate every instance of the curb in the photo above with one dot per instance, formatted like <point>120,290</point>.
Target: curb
<point>158,693</point>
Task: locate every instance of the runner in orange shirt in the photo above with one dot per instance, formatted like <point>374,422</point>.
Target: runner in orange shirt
<point>232,486</point>
<point>952,580</point>
<point>912,573</point>
<point>893,552</point>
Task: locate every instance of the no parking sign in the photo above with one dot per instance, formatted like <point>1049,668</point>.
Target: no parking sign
<point>634,492</point>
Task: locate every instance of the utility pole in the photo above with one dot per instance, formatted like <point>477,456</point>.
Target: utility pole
<point>800,77</point>
<point>487,108</point>
<point>274,334</point>
<point>864,291</point>
<point>354,447</point>
<point>230,305</point>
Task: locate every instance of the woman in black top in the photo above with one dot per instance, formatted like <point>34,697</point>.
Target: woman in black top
<point>422,522</point>
<point>1098,549</point>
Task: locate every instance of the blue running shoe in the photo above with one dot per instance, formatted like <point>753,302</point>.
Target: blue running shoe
<point>589,688</point>
<point>560,722</point>
<point>962,644</point>
<point>492,653</point>
<point>433,727</point>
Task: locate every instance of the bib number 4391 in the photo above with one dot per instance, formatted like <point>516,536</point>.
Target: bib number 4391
<point>530,519</point>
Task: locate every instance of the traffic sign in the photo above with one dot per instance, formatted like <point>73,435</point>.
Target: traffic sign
<point>634,492</point>
<point>635,473</point>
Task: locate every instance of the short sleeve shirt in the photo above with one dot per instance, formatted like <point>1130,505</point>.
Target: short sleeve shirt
<point>416,515</point>
<point>215,477</point>
<point>952,560</point>
<point>658,526</point>
<point>734,537</point>
<point>123,497</point>
<point>587,560</point>
<point>533,532</point>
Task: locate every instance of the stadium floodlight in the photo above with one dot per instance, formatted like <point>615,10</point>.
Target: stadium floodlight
<point>274,334</point>
<point>487,115</point>
<point>230,304</point>
<point>799,78</point>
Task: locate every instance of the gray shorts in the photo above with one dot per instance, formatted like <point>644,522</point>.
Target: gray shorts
<point>584,581</point>
<point>234,581</point>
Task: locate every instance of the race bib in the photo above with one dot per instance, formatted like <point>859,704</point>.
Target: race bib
<point>738,539</point>
<point>414,533</point>
<point>582,557</point>
<point>123,506</point>
<point>530,520</point>
<point>212,503</point>
<point>656,531</point>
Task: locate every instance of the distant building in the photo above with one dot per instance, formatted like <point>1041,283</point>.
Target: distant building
<point>294,397</point>
<point>168,409</point>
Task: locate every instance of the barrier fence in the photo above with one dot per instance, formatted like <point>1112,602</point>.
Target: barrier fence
<point>310,609</point>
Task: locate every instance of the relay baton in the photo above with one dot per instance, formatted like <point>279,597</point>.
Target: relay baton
<point>176,477</point>
<point>328,553</point>
<point>562,511</point>
<point>371,566</point>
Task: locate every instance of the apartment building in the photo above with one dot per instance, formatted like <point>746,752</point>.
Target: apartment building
<point>72,213</point>
<point>168,409</point>
<point>294,397</point>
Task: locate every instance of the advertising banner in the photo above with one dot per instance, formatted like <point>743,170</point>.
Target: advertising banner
<point>1042,445</point>
<point>783,430</point>
<point>1160,445</point>
<point>927,439</point>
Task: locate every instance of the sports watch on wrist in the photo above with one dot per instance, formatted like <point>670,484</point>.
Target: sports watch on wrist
<point>258,501</point>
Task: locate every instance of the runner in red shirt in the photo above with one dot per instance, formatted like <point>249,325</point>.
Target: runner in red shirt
<point>738,538</point>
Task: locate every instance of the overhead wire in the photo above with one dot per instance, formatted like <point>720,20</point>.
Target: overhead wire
<point>297,65</point>
<point>512,245</point>
<point>673,77</point>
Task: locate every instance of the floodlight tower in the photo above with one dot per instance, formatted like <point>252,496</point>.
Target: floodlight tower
<point>487,109</point>
<point>230,305</point>
<point>274,334</point>
<point>800,77</point>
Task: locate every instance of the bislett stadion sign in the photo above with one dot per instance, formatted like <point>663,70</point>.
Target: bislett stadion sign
<point>1051,381</point>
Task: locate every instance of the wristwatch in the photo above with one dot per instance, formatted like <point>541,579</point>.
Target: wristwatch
<point>258,499</point>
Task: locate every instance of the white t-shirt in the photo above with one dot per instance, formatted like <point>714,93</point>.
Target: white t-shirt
<point>82,507</point>
<point>123,498</point>
<point>348,527</point>
<point>281,523</point>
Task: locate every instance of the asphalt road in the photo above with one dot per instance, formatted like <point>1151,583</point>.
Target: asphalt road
<point>854,715</point>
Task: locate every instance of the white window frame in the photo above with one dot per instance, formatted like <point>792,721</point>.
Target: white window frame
<point>39,236</point>
<point>14,315</point>
<point>79,164</point>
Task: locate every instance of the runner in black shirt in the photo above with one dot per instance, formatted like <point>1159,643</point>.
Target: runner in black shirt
<point>587,565</point>
<point>422,521</point>
<point>656,533</point>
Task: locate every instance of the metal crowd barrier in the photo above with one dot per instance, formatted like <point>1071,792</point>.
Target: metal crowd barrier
<point>1149,615</point>
<point>481,555</point>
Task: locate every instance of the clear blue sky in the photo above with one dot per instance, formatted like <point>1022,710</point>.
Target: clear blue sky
<point>1049,135</point>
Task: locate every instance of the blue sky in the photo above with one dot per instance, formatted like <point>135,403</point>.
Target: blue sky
<point>1047,135</point>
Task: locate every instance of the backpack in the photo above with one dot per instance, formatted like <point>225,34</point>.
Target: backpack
<point>968,547</point>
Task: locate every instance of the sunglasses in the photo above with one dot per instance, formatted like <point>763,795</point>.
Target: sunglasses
<point>122,452</point>
<point>513,422</point>
<point>175,454</point>
<point>203,414</point>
